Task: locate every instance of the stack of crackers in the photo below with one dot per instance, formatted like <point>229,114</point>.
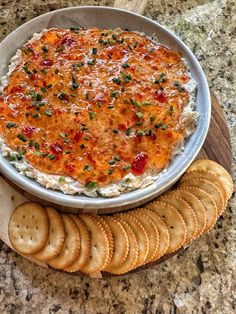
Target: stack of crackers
<point>121,242</point>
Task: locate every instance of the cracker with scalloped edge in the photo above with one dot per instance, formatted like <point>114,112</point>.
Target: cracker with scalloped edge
<point>99,245</point>
<point>84,246</point>
<point>28,228</point>
<point>133,253</point>
<point>56,236</point>
<point>218,170</point>
<point>208,203</point>
<point>174,221</point>
<point>141,236</point>
<point>207,175</point>
<point>208,187</point>
<point>164,237</point>
<point>185,210</point>
<point>71,246</point>
<point>121,243</point>
<point>196,205</point>
<point>152,232</point>
<point>109,236</point>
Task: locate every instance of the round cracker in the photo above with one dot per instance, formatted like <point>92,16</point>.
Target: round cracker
<point>164,237</point>
<point>99,247</point>
<point>218,170</point>
<point>141,236</point>
<point>174,221</point>
<point>133,253</point>
<point>208,203</point>
<point>121,243</point>
<point>186,211</point>
<point>109,237</point>
<point>84,246</point>
<point>196,205</point>
<point>203,174</point>
<point>28,228</point>
<point>152,232</point>
<point>56,236</point>
<point>208,187</point>
<point>71,246</point>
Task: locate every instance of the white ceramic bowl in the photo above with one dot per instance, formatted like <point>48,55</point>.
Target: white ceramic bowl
<point>106,17</point>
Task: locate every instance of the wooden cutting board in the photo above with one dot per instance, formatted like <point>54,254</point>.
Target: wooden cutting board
<point>216,147</point>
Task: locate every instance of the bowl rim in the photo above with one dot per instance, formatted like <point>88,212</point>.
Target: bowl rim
<point>128,199</point>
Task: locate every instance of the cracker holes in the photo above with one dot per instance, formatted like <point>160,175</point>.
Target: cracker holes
<point>163,216</point>
<point>37,228</point>
<point>171,227</point>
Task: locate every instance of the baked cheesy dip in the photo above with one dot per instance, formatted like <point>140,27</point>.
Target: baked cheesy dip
<point>95,111</point>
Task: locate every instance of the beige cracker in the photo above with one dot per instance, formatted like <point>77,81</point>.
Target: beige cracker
<point>186,211</point>
<point>196,205</point>
<point>71,246</point>
<point>152,232</point>
<point>121,243</point>
<point>174,221</point>
<point>56,236</point>
<point>84,246</point>
<point>141,236</point>
<point>28,228</point>
<point>208,203</point>
<point>164,237</point>
<point>133,253</point>
<point>99,247</point>
<point>218,170</point>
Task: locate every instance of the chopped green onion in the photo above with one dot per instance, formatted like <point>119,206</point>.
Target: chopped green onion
<point>87,167</point>
<point>110,171</point>
<point>21,137</point>
<point>67,152</point>
<point>35,115</point>
<point>94,51</point>
<point>99,104</point>
<point>116,80</point>
<point>91,115</point>
<point>164,126</point>
<point>91,62</point>
<point>112,162</point>
<point>36,145</point>
<point>87,96</point>
<point>152,118</point>
<point>127,180</point>
<point>128,131</point>
<point>179,87</point>
<point>25,68</point>
<point>117,158</point>
<point>43,89</point>
<point>115,94</point>
<point>139,133</point>
<point>48,113</point>
<point>51,156</point>
<point>126,167</point>
<point>44,71</point>
<point>31,143</point>
<point>62,179</point>
<point>136,44</point>
<point>139,115</point>
<point>90,184</point>
<point>110,107</point>
<point>82,146</point>
<point>37,154</point>
<point>115,131</point>
<point>11,125</point>
<point>39,97</point>
<point>158,125</point>
<point>125,65</point>
<point>49,86</point>
<point>44,48</point>
<point>138,123</point>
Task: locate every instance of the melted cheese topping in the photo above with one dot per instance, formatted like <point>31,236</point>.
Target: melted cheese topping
<point>95,104</point>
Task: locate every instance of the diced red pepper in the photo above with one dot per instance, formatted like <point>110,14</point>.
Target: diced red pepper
<point>139,163</point>
<point>160,96</point>
<point>46,63</point>
<point>78,136</point>
<point>56,149</point>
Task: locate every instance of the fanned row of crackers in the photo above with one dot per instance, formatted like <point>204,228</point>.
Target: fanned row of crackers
<point>122,242</point>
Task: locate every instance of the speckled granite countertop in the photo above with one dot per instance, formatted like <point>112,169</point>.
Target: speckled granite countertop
<point>202,278</point>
